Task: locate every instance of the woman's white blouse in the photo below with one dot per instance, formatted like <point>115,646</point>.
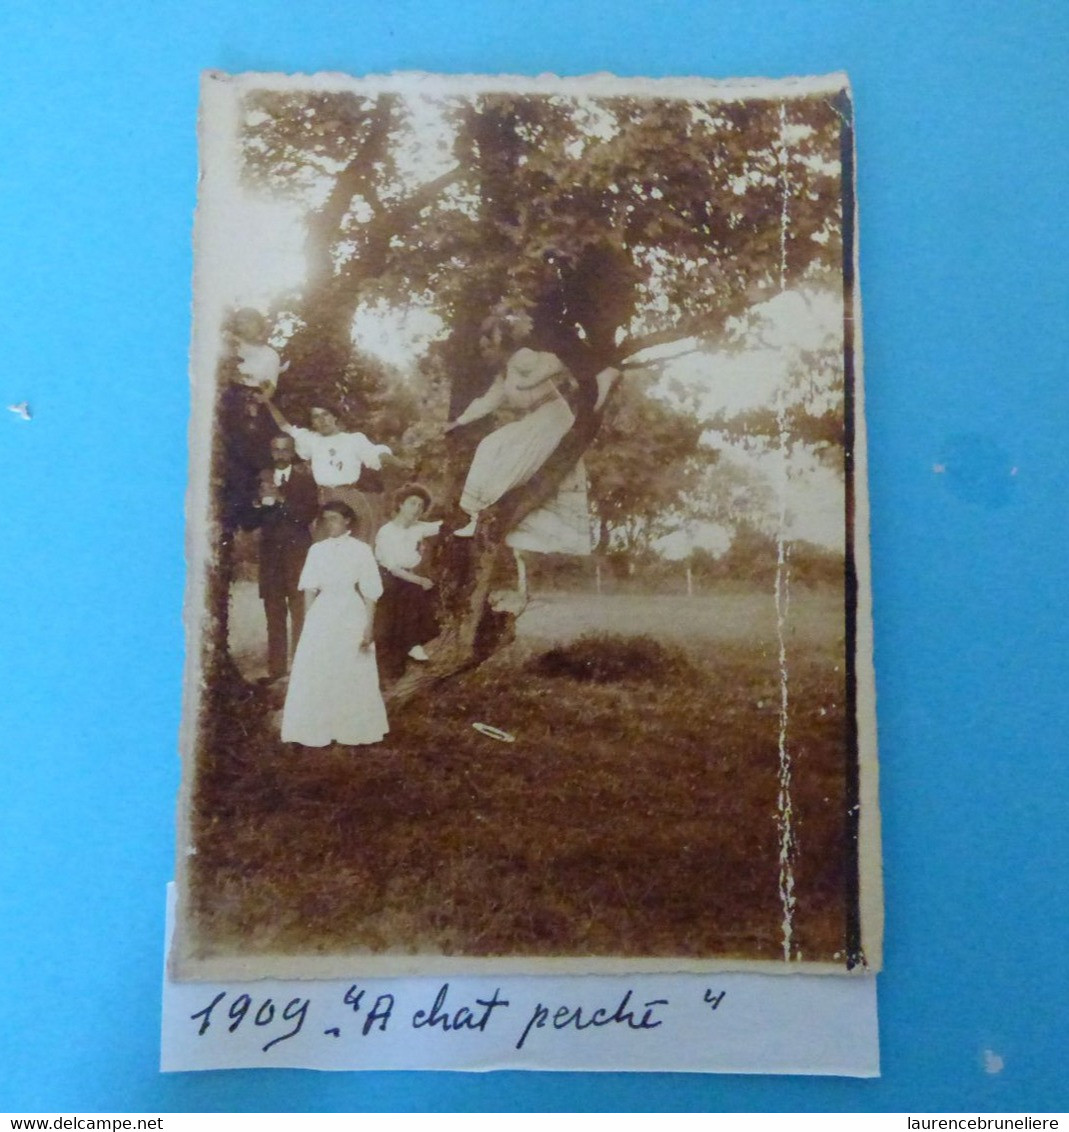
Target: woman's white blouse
<point>337,460</point>
<point>337,565</point>
<point>397,547</point>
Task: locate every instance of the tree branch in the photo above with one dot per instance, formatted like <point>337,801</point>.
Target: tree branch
<point>323,224</point>
<point>426,193</point>
<point>698,326</point>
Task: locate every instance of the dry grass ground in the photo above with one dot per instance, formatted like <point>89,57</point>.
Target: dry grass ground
<point>634,815</point>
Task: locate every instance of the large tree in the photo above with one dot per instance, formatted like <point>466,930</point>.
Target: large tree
<point>336,154</point>
<point>614,224</point>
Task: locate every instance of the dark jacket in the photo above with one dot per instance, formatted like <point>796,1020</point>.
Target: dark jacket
<point>284,527</point>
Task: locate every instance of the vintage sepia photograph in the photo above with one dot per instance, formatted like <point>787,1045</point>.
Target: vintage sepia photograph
<point>528,604</point>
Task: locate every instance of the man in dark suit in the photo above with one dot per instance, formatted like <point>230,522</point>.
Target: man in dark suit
<point>286,505</point>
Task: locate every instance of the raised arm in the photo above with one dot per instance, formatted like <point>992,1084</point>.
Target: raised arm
<point>606,379</point>
<point>276,413</point>
<point>375,455</point>
<point>482,406</point>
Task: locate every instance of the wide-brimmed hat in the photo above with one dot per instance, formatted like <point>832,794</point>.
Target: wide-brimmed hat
<point>408,489</point>
<point>531,367</point>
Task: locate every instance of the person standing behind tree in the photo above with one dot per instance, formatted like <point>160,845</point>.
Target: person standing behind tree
<point>346,465</point>
<point>284,510</point>
<point>405,619</point>
<point>249,371</point>
<point>258,364</point>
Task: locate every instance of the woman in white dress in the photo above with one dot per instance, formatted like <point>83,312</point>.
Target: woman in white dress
<point>514,453</point>
<point>333,694</point>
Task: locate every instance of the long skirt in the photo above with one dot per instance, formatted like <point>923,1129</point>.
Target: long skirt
<point>333,694</point>
<point>404,618</point>
<point>562,524</point>
<point>513,454</point>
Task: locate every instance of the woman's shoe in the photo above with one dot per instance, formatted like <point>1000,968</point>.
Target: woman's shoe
<point>418,652</point>
<point>469,530</point>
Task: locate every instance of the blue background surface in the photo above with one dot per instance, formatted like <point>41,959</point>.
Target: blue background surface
<point>963,183</point>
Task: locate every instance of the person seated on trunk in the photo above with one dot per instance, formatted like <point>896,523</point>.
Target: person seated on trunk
<point>406,618</point>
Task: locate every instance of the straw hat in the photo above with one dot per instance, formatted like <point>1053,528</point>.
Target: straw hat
<point>528,368</point>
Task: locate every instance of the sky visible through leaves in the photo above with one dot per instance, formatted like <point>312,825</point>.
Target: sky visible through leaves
<point>759,362</point>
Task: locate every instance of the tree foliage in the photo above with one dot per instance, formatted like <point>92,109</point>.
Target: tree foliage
<point>645,467</point>
<point>611,224</point>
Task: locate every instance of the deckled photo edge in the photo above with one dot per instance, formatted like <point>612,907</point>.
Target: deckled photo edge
<point>601,84</point>
<point>870,852</point>
<point>214,138</point>
<point>219,96</point>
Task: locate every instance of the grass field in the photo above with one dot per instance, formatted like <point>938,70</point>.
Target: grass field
<point>634,815</point>
<point>729,615</point>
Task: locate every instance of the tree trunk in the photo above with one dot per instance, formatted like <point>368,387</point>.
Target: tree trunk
<point>471,630</point>
<point>320,351</point>
<point>576,315</point>
<point>466,568</point>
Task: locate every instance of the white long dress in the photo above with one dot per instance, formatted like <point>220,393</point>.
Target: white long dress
<point>515,453</point>
<point>333,694</point>
<point>562,524</point>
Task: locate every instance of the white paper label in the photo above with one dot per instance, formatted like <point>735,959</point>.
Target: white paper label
<point>716,1023</point>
